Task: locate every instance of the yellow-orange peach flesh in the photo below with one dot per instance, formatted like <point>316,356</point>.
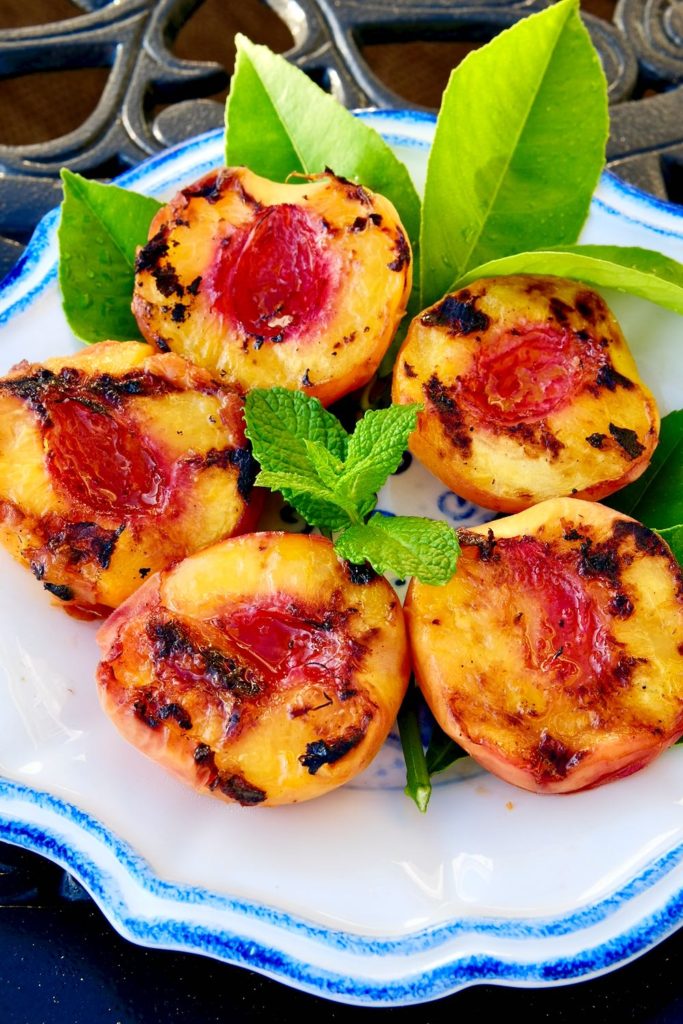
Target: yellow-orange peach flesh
<point>529,392</point>
<point>115,462</point>
<point>263,670</point>
<point>555,654</point>
<point>300,285</point>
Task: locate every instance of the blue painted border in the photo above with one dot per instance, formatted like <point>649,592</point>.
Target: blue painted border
<point>519,929</point>
<point>432,983</point>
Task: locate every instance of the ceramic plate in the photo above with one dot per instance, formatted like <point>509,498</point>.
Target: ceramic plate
<point>354,896</point>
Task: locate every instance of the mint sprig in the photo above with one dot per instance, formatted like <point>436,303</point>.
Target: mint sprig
<point>332,478</point>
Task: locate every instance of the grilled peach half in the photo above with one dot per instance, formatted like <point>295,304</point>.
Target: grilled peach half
<point>115,462</point>
<point>263,670</point>
<point>297,285</point>
<point>529,392</point>
<point>555,654</point>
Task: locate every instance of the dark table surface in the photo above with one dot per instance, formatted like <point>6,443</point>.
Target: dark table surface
<point>60,960</point>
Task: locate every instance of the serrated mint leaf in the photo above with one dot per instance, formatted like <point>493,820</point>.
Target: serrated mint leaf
<point>316,511</point>
<point>100,228</point>
<point>518,148</point>
<point>405,545</point>
<point>327,466</point>
<point>302,128</point>
<point>630,269</point>
<point>280,421</point>
<point>656,497</point>
<point>376,448</point>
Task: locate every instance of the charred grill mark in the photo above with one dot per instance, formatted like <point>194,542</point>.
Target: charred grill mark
<point>610,378</point>
<point>247,468</point>
<point>85,542</point>
<point>172,643</point>
<point>589,306</point>
<point>59,590</point>
<point>552,759</point>
<point>537,435</point>
<point>621,606</point>
<point>402,250</point>
<point>596,440</point>
<point>193,286</point>
<point>44,387</point>
<point>359,224</point>
<point>152,709</point>
<point>179,313</point>
<point>560,310</point>
<point>237,788</point>
<point>321,752</point>
<point>645,539</point>
<point>306,381</point>
<point>625,667</point>
<point>167,280</point>
<point>153,252</point>
<point>241,458</point>
<point>356,193</point>
<point>486,545</point>
<point>458,315</point>
<point>360,574</point>
<point>627,439</point>
<point>449,413</point>
<point>601,561</point>
<point>408,369</point>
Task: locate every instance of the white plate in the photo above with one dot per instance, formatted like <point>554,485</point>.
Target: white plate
<point>354,896</point>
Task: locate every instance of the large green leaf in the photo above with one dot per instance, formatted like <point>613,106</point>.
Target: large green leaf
<point>99,231</point>
<point>278,122</point>
<point>641,272</point>
<point>518,148</point>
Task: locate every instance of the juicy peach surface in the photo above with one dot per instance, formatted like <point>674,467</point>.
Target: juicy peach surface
<point>554,656</point>
<point>263,670</point>
<point>300,285</point>
<point>115,462</point>
<point>529,392</point>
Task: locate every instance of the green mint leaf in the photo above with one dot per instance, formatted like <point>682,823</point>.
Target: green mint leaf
<point>418,786</point>
<point>442,751</point>
<point>518,148</point>
<point>279,422</point>
<point>640,272</point>
<point>376,448</point>
<point>327,466</point>
<point>656,497</point>
<point>405,545</point>
<point>673,535</point>
<point>316,511</point>
<point>302,128</point>
<point>99,231</point>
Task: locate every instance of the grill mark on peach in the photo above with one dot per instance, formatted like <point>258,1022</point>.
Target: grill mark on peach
<point>627,440</point>
<point>237,787</point>
<point>174,648</point>
<point>241,458</point>
<point>447,409</point>
<point>73,544</point>
<point>552,759</point>
<point>458,314</point>
<point>402,250</point>
<point>329,751</point>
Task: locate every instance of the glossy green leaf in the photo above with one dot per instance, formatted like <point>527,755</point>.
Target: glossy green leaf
<point>518,148</point>
<point>279,122</point>
<point>640,272</point>
<point>100,229</point>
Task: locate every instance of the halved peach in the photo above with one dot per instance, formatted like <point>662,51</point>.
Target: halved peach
<point>115,462</point>
<point>555,654</point>
<point>529,393</point>
<point>299,285</point>
<point>263,670</point>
